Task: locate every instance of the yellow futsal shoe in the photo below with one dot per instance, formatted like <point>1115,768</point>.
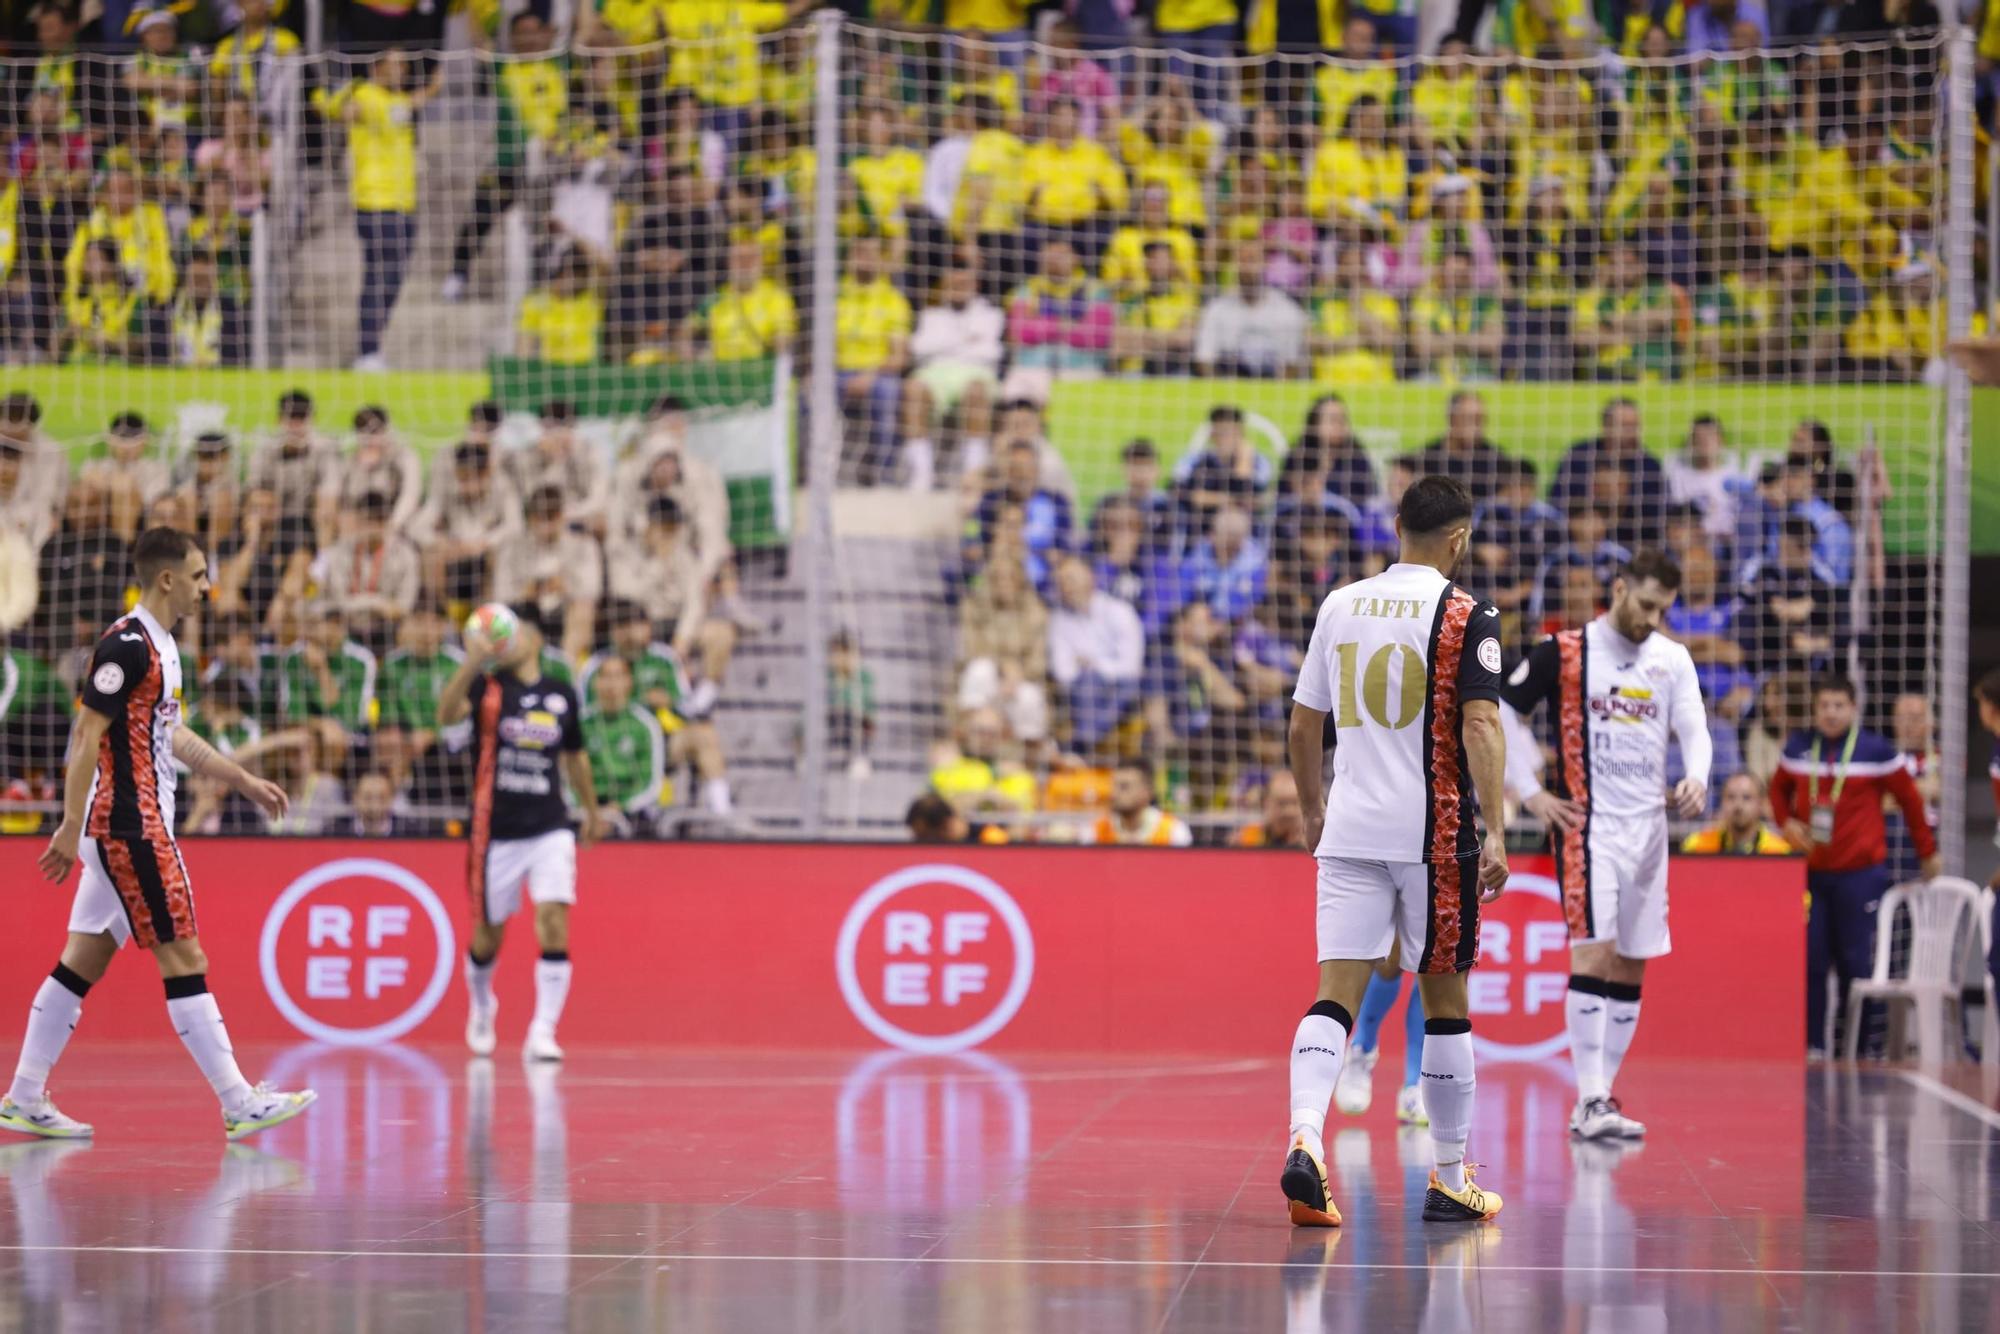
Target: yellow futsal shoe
<point>266,1107</point>
<point>1471,1205</point>
<point>1304,1183</point>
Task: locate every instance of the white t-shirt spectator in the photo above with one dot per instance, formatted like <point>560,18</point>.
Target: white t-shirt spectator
<point>1712,490</point>
<point>1261,336</point>
<point>1106,639</point>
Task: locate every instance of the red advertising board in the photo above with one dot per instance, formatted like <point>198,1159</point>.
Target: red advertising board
<point>923,949</point>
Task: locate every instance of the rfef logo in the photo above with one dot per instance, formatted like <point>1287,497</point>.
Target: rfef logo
<point>934,958</point>
<point>1516,993</point>
<point>356,952</point>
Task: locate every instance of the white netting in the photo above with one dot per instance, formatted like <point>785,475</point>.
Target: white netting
<point>1171,328</point>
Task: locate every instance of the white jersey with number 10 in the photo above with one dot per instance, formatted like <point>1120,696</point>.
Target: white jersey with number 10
<point>1393,659</point>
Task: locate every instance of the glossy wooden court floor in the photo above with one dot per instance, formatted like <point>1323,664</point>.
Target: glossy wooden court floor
<point>691,1191</point>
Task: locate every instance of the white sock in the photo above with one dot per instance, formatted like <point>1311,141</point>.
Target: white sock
<point>51,1019</point>
<point>1584,1011</point>
<point>1621,1022</point>
<point>1317,1048</point>
<point>479,982</point>
<point>551,988</point>
<point>198,1020</point>
<point>715,796</point>
<point>920,463</point>
<point>1449,1086</point>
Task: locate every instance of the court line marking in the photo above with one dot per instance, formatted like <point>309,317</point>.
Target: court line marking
<point>1945,1093</point>
<point>996,1261</point>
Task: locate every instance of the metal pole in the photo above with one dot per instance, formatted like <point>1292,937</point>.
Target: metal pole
<point>1954,606</point>
<point>822,422</point>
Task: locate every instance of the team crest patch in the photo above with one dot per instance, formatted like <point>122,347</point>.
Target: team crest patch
<point>1489,655</point>
<point>556,704</point>
<point>108,679</point>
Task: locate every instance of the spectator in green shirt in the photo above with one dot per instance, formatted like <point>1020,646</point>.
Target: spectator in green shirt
<point>661,686</point>
<point>412,677</point>
<point>627,748</point>
<point>328,682</point>
<point>1624,324</point>
<point>34,722</point>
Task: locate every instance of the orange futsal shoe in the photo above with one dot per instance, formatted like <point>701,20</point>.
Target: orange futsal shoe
<point>1304,1183</point>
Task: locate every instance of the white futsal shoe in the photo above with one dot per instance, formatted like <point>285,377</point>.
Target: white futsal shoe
<point>1599,1118</point>
<point>267,1107</point>
<point>41,1118</point>
<point>1410,1109</point>
<point>1354,1090</point>
<point>479,1034</point>
<point>541,1044</point>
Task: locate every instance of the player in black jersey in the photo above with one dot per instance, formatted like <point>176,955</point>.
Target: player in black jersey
<point>527,738</point>
<point>118,824</point>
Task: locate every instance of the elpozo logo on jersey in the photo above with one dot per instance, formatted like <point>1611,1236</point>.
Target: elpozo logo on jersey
<point>356,952</point>
<point>934,958</point>
<point>1516,993</point>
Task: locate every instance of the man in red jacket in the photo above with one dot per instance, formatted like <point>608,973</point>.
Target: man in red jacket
<point>1827,795</point>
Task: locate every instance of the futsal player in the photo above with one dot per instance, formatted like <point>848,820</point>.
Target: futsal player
<point>1408,665</point>
<point>1615,690</point>
<point>527,738</point>
<point>118,821</point>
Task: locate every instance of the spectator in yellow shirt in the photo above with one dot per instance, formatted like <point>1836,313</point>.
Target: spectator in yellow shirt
<point>1741,830</point>
<point>381,120</point>
<point>1359,72</point>
<point>1155,333</point>
<point>103,318</point>
<point>1361,181</point>
<point>1357,327</point>
<point>243,60</point>
<point>1124,268</point>
<point>561,323</point>
<point>871,341</point>
<point>1900,334</point>
<point>1172,146</point>
<point>750,317</point>
<point>888,173</point>
<point>137,232</point>
<point>990,195</point>
<point>1074,187</point>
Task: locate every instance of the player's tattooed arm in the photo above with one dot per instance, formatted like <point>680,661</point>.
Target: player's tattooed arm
<point>203,760</point>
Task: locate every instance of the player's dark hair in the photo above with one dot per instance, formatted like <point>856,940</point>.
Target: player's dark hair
<point>1651,563</point>
<point>158,548</point>
<point>1432,504</point>
<point>1834,682</point>
<point>1987,687</point>
<point>929,816</point>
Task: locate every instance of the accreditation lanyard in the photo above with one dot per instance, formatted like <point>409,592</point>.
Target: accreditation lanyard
<point>1822,810</point>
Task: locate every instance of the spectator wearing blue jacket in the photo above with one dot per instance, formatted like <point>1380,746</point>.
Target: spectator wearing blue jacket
<point>1833,536</point>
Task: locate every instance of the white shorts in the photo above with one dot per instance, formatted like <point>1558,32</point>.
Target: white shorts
<point>544,864</point>
<point>1617,891</point>
<point>1431,907</point>
<point>132,882</point>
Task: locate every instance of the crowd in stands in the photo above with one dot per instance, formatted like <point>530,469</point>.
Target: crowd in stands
<point>342,567</point>
<point>1171,623</point>
<point>1700,190</point>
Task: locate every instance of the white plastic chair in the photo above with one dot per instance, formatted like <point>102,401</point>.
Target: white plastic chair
<point>1989,1037</point>
<point>1943,915</point>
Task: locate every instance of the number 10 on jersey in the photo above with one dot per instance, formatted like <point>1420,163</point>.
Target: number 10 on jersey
<point>1374,689</point>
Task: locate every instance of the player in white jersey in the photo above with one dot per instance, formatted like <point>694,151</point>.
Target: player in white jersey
<point>1615,691</point>
<point>1407,664</point>
<point>118,820</point>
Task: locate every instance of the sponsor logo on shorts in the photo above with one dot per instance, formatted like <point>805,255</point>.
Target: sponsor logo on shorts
<point>356,952</point>
<point>934,958</point>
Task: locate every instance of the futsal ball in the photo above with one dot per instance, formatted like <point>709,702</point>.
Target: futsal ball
<point>493,622</point>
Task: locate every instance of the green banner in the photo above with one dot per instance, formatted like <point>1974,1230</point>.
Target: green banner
<point>1090,420</point>
<point>627,391</point>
